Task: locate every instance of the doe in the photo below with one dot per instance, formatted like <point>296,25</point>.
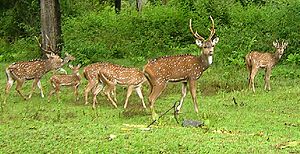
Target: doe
<point>113,75</point>
<point>66,80</point>
<point>256,60</point>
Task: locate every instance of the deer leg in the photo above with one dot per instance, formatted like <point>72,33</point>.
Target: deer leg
<point>9,84</point>
<point>57,89</point>
<point>76,92</point>
<point>113,92</point>
<point>267,79</point>
<point>88,88</point>
<point>140,94</point>
<point>183,94</point>
<point>193,90</point>
<point>19,86</point>
<point>249,79</point>
<point>107,92</point>
<point>51,92</point>
<point>156,90</point>
<point>129,91</point>
<point>41,88</point>
<point>34,83</point>
<point>96,91</point>
<point>252,77</point>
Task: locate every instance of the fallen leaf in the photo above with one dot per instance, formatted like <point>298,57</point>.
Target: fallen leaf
<point>111,137</point>
<point>287,144</point>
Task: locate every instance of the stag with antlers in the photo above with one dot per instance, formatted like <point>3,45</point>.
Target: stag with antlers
<point>256,60</point>
<point>32,70</point>
<point>181,68</point>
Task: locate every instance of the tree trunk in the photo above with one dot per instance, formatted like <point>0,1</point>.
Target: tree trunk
<point>139,5</point>
<point>117,6</point>
<point>51,26</point>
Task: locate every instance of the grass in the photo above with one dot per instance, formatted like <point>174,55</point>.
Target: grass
<point>261,122</point>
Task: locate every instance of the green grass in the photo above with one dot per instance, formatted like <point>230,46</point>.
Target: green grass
<point>261,122</point>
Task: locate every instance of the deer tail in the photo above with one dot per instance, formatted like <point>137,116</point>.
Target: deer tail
<point>9,75</point>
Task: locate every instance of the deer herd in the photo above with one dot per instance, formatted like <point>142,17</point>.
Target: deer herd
<point>104,76</point>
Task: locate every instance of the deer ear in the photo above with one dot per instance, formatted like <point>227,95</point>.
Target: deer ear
<point>199,42</point>
<point>275,44</point>
<point>48,55</point>
<point>215,41</point>
<point>285,44</point>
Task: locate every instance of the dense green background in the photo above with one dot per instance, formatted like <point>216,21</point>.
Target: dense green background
<point>261,122</point>
<point>93,32</point>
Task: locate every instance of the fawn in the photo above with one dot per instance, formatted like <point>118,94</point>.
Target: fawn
<point>66,80</point>
<point>256,60</point>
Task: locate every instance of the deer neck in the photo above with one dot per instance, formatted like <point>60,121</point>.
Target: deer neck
<point>205,61</point>
<point>48,65</point>
<point>276,57</point>
<point>77,75</point>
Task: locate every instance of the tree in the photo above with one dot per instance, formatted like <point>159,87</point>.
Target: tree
<point>164,2</point>
<point>51,26</point>
<point>117,6</point>
<point>139,5</point>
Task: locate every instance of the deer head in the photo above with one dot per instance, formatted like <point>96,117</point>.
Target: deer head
<point>280,47</point>
<point>208,45</point>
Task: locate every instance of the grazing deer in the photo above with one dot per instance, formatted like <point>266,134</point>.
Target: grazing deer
<point>256,60</point>
<point>66,80</point>
<point>180,68</point>
<point>30,70</point>
<point>90,73</point>
<point>114,74</point>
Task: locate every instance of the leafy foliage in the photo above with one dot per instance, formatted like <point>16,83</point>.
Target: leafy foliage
<point>93,32</point>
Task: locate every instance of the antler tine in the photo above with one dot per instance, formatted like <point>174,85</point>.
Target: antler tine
<point>196,35</point>
<point>40,45</point>
<point>50,46</point>
<point>212,29</point>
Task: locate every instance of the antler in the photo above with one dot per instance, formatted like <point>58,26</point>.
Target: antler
<point>212,29</point>
<point>196,35</point>
<point>49,46</point>
<point>40,45</point>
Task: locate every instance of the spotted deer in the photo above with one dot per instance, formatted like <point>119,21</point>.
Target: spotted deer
<point>180,68</point>
<point>90,73</point>
<point>33,70</point>
<point>256,60</point>
<point>113,75</point>
<point>72,80</point>
<point>30,70</point>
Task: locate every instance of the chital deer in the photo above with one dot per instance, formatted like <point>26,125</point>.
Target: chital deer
<point>66,80</point>
<point>114,74</point>
<point>30,70</point>
<point>256,60</point>
<point>180,68</point>
<point>90,73</point>
<point>33,70</point>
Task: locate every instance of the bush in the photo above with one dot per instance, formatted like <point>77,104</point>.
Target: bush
<point>99,34</point>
